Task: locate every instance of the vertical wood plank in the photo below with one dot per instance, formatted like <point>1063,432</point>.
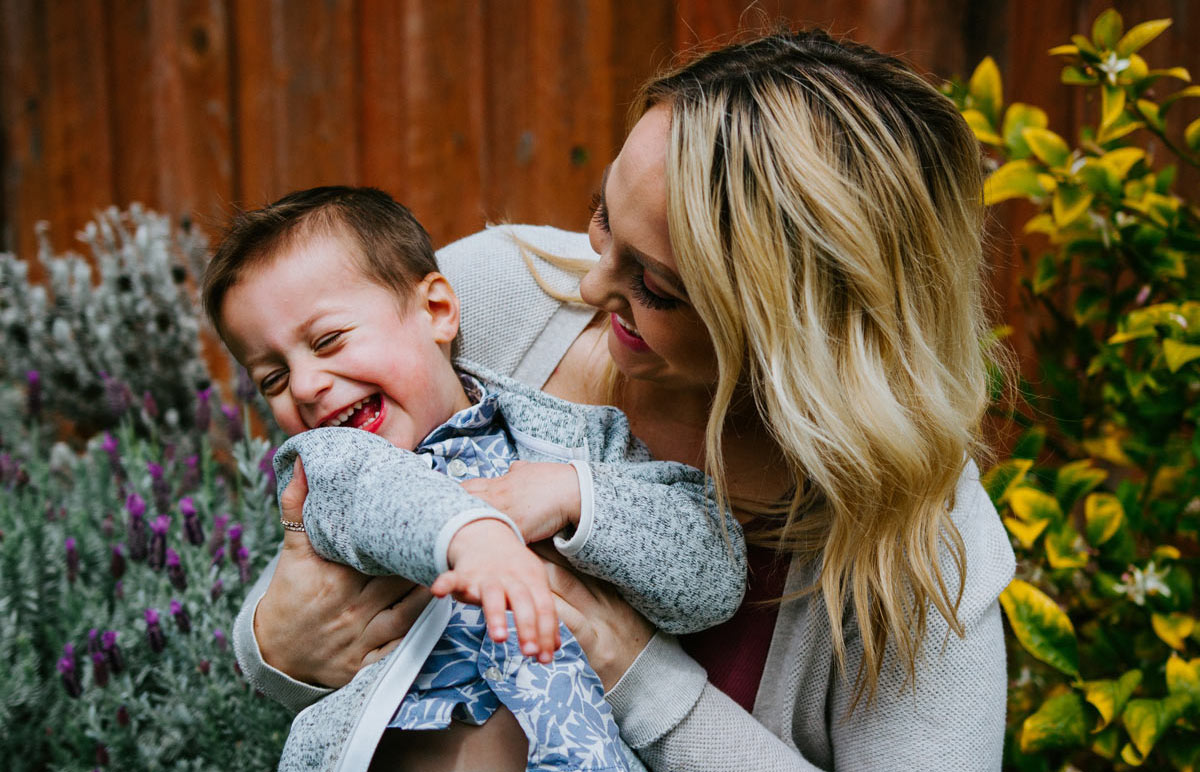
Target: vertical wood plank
<point>23,58</point>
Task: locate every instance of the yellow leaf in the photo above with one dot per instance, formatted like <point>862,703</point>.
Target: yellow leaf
<point>1041,626</point>
<point>1069,204</point>
<point>1065,548</point>
<point>1112,102</point>
<point>1191,135</point>
<point>1166,552</point>
<point>1173,628</point>
<point>1183,677</point>
<point>1032,505</point>
<point>1059,723</point>
<point>982,127</point>
<point>1064,50</point>
<point>1109,697</point>
<point>1025,533</point>
<point>1000,480</point>
<point>1108,446</point>
<point>1015,179</point>
<point>985,89</point>
<point>1104,515</point>
<point>1189,91</point>
<point>1178,353</point>
<point>1118,130</point>
<point>1140,35</point>
<point>1123,158</point>
<point>1178,73</point>
<point>1042,223</point>
<point>1106,29</point>
<point>1046,145</point>
<point>1146,720</point>
<point>1149,110</point>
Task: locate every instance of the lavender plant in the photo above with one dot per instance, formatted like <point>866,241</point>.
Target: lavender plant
<point>97,342</point>
<point>121,572</point>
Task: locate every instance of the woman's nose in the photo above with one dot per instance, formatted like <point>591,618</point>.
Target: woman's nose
<point>601,286</point>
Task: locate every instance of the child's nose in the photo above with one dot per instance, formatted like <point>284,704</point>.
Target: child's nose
<point>308,384</point>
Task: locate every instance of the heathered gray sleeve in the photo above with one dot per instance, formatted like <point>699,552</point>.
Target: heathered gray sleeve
<point>371,505</point>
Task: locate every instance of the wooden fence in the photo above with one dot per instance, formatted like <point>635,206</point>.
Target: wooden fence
<point>467,110</point>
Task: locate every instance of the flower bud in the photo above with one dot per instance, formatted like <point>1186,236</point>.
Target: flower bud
<point>267,467</point>
<point>244,387</point>
<point>99,669</point>
<point>217,538</point>
<point>72,559</point>
<point>112,652</point>
<point>112,448</point>
<point>149,406</point>
<point>243,564</point>
<point>193,532</point>
<point>136,536</point>
<point>116,563</point>
<point>203,410</point>
<point>182,620</point>
<point>191,473</point>
<point>175,571</point>
<point>154,632</point>
<point>33,402</point>
<point>233,422</point>
<point>218,558</point>
<point>93,641</point>
<point>69,670</point>
<point>204,666</point>
<point>122,716</point>
<point>158,542</point>
<point>101,755</point>
<point>221,641</point>
<point>235,538</point>
<point>216,591</point>
<point>119,590</point>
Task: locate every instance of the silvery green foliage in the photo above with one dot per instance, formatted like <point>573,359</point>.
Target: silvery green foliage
<point>177,700</point>
<point>100,339</point>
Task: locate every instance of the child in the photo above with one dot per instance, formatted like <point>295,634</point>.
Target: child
<point>332,301</point>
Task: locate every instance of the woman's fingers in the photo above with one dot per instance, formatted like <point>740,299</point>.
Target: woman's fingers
<point>389,625</point>
<point>291,507</point>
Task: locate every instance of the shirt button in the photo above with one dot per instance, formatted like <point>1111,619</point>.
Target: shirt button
<point>493,674</point>
<point>456,467</point>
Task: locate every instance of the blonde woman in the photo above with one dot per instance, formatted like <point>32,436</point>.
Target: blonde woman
<point>789,281</point>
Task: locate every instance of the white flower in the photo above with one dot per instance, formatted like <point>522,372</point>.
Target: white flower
<point>1138,584</point>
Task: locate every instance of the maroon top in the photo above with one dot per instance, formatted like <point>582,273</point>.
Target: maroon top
<point>735,652</point>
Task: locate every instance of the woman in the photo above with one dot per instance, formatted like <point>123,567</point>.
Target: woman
<point>790,275</point>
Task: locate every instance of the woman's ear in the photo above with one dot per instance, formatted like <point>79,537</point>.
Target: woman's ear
<point>439,301</point>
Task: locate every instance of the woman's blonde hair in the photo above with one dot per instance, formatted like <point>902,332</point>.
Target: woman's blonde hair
<point>825,210</point>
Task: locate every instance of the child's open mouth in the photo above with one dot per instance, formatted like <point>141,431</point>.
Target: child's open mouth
<point>364,414</point>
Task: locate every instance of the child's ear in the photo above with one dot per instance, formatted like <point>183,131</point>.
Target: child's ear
<point>440,302</point>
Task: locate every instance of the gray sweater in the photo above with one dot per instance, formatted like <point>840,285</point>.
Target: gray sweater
<point>953,718</point>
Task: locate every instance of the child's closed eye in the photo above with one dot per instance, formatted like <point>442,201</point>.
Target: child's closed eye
<point>327,341</point>
<point>273,383</point>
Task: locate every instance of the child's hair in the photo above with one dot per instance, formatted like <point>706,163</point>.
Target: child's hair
<point>394,250</point>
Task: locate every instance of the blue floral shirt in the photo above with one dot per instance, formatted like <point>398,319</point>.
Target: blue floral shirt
<point>468,676</point>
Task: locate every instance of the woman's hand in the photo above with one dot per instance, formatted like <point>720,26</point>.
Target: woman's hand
<point>320,622</point>
<point>611,633</point>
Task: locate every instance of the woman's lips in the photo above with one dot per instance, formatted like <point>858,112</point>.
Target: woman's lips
<point>627,338</point>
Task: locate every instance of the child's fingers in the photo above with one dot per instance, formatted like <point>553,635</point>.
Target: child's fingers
<point>525,618</point>
<point>494,605</point>
<point>547,624</point>
<point>444,584</point>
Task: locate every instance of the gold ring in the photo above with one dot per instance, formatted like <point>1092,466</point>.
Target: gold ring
<point>291,525</point>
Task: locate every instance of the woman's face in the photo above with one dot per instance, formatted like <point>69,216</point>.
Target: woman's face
<point>654,334</point>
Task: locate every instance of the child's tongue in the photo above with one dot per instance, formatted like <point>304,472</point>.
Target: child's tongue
<point>365,414</point>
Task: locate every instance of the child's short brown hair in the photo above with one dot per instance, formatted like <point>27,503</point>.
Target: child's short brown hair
<point>394,249</point>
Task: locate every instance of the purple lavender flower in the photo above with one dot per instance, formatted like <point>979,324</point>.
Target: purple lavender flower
<point>193,532</point>
<point>243,564</point>
<point>136,536</point>
<point>159,487</point>
<point>266,467</point>
<point>217,538</point>
<point>70,672</point>
<point>122,716</point>
<point>72,559</point>
<point>119,590</point>
<point>116,563</point>
<point>233,422</point>
<point>175,571</point>
<point>154,632</point>
<point>235,538</point>
<point>216,591</point>
<point>158,542</point>
<point>116,394</point>
<point>149,406</point>
<point>112,448</point>
<point>101,755</point>
<point>204,666</point>
<point>191,473</point>
<point>218,558</point>
<point>112,652</point>
<point>33,401</point>
<point>155,470</point>
<point>221,640</point>
<point>203,410</point>
<point>182,620</point>
<point>99,669</point>
<point>108,526</point>
<point>93,640</point>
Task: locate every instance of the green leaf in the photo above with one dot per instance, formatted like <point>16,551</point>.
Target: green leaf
<point>1065,548</point>
<point>1146,721</point>
<point>1032,505</point>
<point>1077,76</point>
<point>1086,49</point>
<point>1017,118</point>
<point>1069,204</point>
<point>1183,677</point>
<point>1047,146</point>
<point>1059,723</point>
<point>1041,626</point>
<point>1015,179</point>
<point>1030,443</point>
<point>1109,697</point>
<point>1106,29</point>
<point>1106,742</point>
<point>1099,177</point>
<point>1140,35</point>
<point>1074,481</point>
<point>1104,515</point>
<point>1123,158</point>
<point>1179,354</point>
<point>1091,305</point>
<point>985,89</point>
<point>1000,480</point>
<point>1150,111</point>
<point>982,127</point>
<point>1112,103</point>
<point>1191,135</point>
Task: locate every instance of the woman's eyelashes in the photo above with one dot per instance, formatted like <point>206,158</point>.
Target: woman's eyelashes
<point>648,297</point>
<point>599,211</point>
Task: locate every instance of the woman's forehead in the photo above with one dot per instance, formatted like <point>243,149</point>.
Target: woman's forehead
<point>636,188</point>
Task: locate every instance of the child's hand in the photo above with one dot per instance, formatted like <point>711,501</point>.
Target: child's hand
<point>541,498</point>
<point>490,567</point>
